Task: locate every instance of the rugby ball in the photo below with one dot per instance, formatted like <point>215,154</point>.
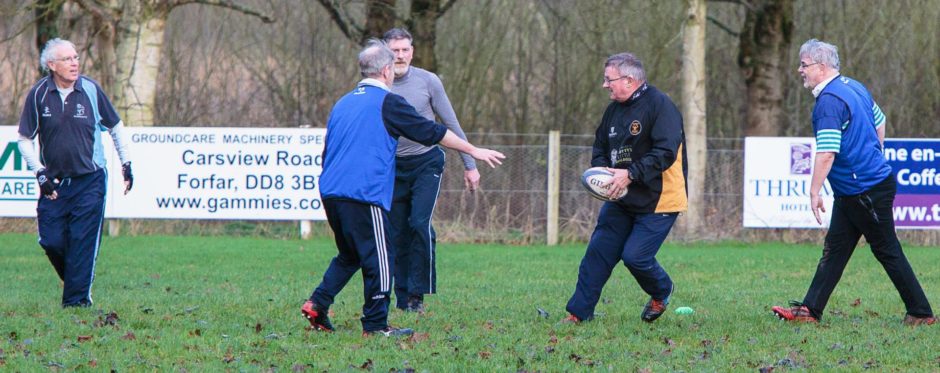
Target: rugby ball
<point>595,179</point>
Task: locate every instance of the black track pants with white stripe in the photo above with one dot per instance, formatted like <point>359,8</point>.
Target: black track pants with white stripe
<point>70,233</point>
<point>362,242</point>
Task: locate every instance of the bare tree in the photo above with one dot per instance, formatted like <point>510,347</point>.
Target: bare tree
<point>47,14</point>
<point>129,39</point>
<point>764,41</point>
<point>380,16</point>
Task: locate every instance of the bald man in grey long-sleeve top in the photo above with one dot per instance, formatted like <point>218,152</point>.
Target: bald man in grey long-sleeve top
<point>418,171</point>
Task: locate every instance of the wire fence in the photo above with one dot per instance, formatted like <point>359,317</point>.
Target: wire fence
<point>512,207</point>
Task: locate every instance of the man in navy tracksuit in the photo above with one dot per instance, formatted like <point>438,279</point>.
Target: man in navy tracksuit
<point>418,173</point>
<point>357,182</point>
<point>641,140</point>
<point>850,130</point>
<point>68,111</point>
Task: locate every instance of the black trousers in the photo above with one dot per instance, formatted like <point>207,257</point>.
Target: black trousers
<point>417,185</point>
<point>361,241</point>
<point>869,214</point>
<point>70,233</point>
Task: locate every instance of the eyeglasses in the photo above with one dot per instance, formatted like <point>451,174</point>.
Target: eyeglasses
<point>69,59</point>
<point>608,81</point>
<point>804,66</point>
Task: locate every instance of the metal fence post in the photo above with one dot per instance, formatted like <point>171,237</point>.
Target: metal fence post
<point>554,185</point>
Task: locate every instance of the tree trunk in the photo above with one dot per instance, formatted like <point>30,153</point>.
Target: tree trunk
<point>129,40</point>
<point>138,62</point>
<point>380,16</point>
<point>764,41</point>
<point>693,112</point>
<point>423,25</point>
<point>47,14</point>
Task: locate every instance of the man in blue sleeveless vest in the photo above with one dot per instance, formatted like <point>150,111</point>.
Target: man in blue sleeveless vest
<point>850,129</point>
<point>357,182</point>
<point>68,112</point>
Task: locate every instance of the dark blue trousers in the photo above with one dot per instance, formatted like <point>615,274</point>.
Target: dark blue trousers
<point>417,185</point>
<point>70,233</point>
<point>620,235</point>
<point>869,214</point>
<point>362,243</point>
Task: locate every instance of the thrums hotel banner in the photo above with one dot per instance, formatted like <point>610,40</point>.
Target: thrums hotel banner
<point>778,174</point>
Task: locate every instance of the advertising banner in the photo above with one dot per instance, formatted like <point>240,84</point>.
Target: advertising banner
<point>778,172</point>
<point>195,173</point>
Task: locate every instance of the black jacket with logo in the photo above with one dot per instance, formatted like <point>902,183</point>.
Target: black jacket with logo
<point>645,135</point>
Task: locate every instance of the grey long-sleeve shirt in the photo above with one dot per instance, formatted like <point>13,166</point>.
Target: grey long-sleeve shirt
<point>424,90</point>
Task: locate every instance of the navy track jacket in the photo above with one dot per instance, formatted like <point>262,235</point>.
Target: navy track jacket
<point>361,138</point>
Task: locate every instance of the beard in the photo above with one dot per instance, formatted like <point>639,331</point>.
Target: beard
<point>400,70</point>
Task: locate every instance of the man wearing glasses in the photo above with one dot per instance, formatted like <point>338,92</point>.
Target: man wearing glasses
<point>850,130</point>
<point>418,172</point>
<point>67,112</point>
<point>641,140</point>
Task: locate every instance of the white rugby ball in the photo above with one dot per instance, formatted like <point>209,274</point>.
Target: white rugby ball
<point>594,180</point>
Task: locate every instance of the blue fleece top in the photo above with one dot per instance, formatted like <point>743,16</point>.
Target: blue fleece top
<point>361,137</point>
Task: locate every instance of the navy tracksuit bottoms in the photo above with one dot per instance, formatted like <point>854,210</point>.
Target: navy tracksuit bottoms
<point>417,185</point>
<point>362,243</point>
<point>620,235</point>
<point>70,233</point>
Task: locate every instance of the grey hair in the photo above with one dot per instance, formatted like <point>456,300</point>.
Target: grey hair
<point>46,54</point>
<point>628,65</point>
<point>397,34</point>
<point>821,52</point>
<point>374,57</point>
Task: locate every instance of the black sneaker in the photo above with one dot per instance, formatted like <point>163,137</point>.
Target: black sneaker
<point>415,304</point>
<point>389,331</point>
<point>319,320</point>
<point>655,308</point>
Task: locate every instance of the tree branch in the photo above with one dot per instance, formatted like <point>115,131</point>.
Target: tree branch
<point>338,19</point>
<point>228,5</point>
<point>443,9</point>
<point>27,25</point>
<point>20,31</point>
<point>722,26</point>
<point>746,3</point>
<point>97,10</point>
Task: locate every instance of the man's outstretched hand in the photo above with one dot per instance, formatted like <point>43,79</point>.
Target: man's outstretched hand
<point>491,157</point>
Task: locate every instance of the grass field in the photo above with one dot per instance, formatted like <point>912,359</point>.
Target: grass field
<point>219,303</point>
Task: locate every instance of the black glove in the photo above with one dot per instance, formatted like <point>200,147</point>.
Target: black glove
<point>46,186</point>
<point>128,176</point>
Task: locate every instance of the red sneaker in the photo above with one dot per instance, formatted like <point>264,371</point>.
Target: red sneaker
<point>653,309</point>
<point>317,316</point>
<point>915,321</point>
<point>796,312</point>
<point>571,319</point>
